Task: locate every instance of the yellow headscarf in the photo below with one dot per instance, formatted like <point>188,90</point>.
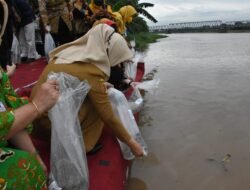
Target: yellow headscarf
<point>119,22</point>
<point>127,13</point>
<point>101,46</point>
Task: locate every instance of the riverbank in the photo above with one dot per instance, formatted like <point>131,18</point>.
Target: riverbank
<point>208,30</point>
<point>143,39</point>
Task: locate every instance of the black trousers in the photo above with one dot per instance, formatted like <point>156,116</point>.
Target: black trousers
<point>64,35</point>
<point>5,48</point>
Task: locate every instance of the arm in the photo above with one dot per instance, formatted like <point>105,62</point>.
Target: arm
<point>23,116</point>
<point>99,97</point>
<point>22,141</point>
<point>44,99</point>
<point>15,14</point>
<point>12,124</point>
<point>43,13</point>
<point>130,82</point>
<point>70,9</point>
<point>5,18</point>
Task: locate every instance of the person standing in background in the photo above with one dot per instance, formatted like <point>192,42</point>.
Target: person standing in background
<point>26,32</point>
<point>82,14</point>
<point>100,10</point>
<point>58,15</point>
<point>99,5</point>
<point>7,38</point>
<point>124,16</point>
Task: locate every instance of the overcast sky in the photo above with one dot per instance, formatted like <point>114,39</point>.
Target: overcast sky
<point>172,11</point>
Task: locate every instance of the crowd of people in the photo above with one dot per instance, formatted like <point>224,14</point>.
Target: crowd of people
<point>66,20</point>
<point>92,47</point>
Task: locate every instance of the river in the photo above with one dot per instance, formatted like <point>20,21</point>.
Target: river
<point>197,123</point>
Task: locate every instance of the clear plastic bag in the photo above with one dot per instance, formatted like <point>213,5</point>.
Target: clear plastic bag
<point>136,101</point>
<point>15,50</point>
<point>131,66</point>
<point>69,170</point>
<point>49,44</point>
<point>131,69</point>
<point>121,108</point>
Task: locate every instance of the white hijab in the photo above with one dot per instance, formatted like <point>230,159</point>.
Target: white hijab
<point>101,46</point>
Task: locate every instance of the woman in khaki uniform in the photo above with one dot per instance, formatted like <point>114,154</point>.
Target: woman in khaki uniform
<point>90,58</point>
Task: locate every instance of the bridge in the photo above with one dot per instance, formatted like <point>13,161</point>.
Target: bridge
<point>193,25</point>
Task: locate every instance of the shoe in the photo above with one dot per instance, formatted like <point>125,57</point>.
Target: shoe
<point>38,56</point>
<point>24,59</point>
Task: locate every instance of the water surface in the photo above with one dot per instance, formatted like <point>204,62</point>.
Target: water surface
<point>199,114</point>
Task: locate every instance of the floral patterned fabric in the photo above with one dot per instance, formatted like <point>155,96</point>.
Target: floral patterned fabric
<point>19,170</point>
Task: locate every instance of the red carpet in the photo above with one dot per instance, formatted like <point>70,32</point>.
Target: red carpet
<point>26,75</point>
<point>107,168</point>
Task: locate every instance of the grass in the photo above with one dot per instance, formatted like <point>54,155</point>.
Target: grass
<point>143,39</point>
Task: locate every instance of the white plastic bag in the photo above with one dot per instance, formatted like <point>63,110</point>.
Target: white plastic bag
<point>15,50</point>
<point>121,108</point>
<point>69,170</point>
<point>49,44</point>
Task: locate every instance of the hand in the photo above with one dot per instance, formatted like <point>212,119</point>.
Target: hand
<point>17,17</point>
<point>134,84</point>
<point>135,147</point>
<point>39,159</point>
<point>130,82</point>
<point>47,28</point>
<point>10,69</point>
<point>70,15</point>
<point>108,85</point>
<point>46,96</point>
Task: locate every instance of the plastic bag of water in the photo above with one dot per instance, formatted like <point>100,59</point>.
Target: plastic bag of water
<point>124,113</point>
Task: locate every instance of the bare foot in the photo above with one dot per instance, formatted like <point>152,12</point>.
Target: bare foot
<point>135,147</point>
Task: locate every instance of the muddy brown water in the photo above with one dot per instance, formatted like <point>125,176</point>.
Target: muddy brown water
<point>199,114</point>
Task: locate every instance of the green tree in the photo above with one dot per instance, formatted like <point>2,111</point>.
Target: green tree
<point>138,25</point>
